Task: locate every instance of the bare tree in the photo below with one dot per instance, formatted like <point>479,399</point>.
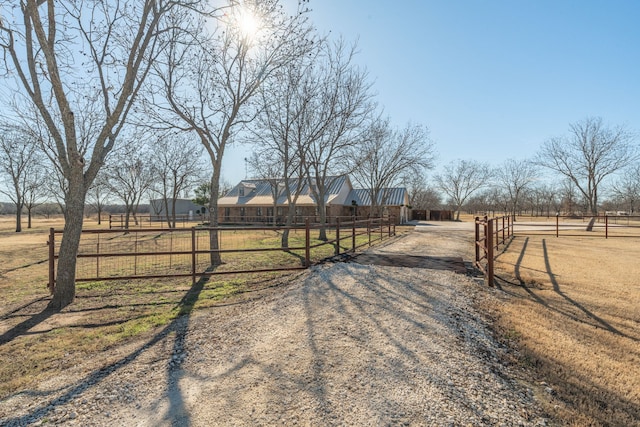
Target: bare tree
<point>339,102</point>
<point>35,193</point>
<point>209,81</point>
<point>514,177</point>
<point>590,153</point>
<point>18,166</point>
<point>74,59</point>
<point>387,156</point>
<point>281,128</point>
<point>176,166</point>
<point>99,193</point>
<point>627,188</point>
<point>268,165</point>
<point>461,178</point>
<point>130,176</point>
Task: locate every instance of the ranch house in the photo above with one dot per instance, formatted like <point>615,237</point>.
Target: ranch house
<point>252,200</point>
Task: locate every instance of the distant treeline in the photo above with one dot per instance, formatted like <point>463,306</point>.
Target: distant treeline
<point>49,209</point>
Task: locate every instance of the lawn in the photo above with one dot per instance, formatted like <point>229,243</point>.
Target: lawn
<point>571,307</point>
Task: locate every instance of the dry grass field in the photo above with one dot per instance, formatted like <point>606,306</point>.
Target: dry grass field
<point>572,308</point>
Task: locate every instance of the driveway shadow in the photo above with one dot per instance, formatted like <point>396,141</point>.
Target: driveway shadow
<point>176,415</point>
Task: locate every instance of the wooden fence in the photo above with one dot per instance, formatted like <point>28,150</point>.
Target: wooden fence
<point>490,234</point>
<point>186,252</point>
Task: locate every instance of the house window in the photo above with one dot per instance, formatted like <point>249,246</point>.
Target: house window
<point>258,211</point>
<point>242,213</point>
<point>227,213</point>
<point>241,191</point>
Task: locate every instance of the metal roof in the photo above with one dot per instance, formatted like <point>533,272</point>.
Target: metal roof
<point>259,191</point>
<point>386,197</point>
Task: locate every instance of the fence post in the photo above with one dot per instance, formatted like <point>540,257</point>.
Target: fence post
<point>307,245</point>
<point>52,262</point>
<point>557,223</point>
<point>193,255</point>
<point>337,236</point>
<point>369,230</point>
<point>477,239</point>
<point>489,243</point>
<point>606,226</point>
<point>353,235</point>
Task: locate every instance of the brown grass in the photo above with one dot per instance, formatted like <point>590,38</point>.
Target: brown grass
<point>573,311</point>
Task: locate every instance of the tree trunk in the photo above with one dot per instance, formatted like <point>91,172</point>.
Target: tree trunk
<point>322,213</point>
<point>65,285</point>
<point>215,258</point>
<point>18,218</point>
<point>29,218</point>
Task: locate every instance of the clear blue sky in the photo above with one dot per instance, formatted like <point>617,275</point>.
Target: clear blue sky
<point>491,79</point>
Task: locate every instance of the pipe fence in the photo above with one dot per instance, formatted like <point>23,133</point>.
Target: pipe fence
<point>205,251</point>
<point>490,235</point>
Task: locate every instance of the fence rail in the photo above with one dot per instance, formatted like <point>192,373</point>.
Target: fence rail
<point>490,234</point>
<point>187,252</point>
<point>582,225</point>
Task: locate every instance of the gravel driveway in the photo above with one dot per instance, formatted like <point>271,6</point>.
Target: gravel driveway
<point>342,344</point>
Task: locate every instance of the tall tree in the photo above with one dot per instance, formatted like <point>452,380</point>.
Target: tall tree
<point>627,188</point>
<point>514,178</point>
<point>176,166</point>
<point>129,174</point>
<point>387,156</point>
<point>281,128</point>
<point>74,58</point>
<point>209,81</point>
<point>461,178</point>
<point>590,153</point>
<point>337,112</point>
<point>18,165</point>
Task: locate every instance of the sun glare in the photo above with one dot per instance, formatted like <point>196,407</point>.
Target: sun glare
<point>248,24</point>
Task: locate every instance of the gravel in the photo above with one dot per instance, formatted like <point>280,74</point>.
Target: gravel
<point>341,344</point>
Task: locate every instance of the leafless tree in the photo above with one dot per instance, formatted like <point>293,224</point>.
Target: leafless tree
<point>546,198</point>
<point>281,128</point>
<point>627,188</point>
<point>176,161</point>
<point>514,177</point>
<point>421,194</point>
<point>461,178</point>
<point>339,104</point>
<point>569,197</point>
<point>209,81</point>
<point>129,174</point>
<point>387,156</point>
<point>73,59</point>
<point>99,193</point>
<point>19,164</point>
<point>35,192</point>
<point>588,155</point>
